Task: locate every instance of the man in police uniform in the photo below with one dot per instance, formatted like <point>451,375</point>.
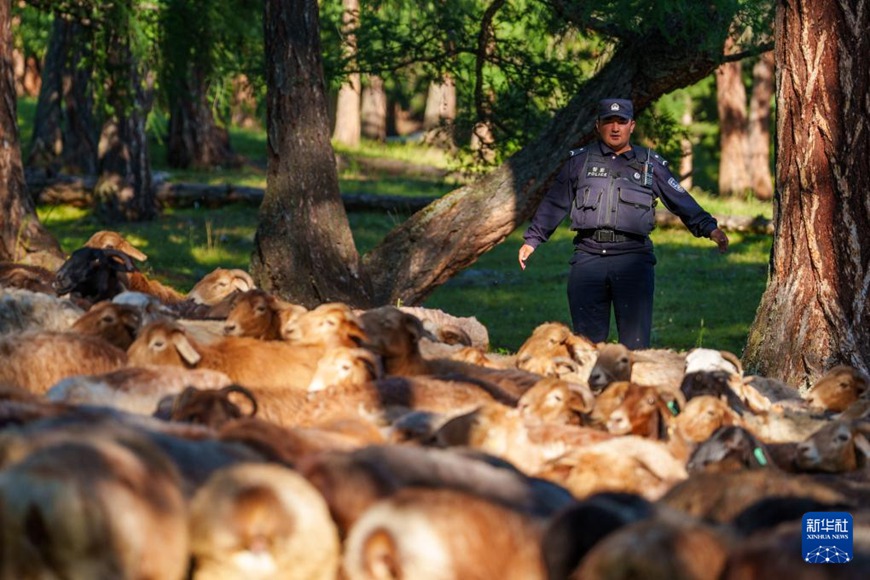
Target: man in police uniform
<point>610,189</point>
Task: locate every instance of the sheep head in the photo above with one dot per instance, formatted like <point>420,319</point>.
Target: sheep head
<point>163,343</point>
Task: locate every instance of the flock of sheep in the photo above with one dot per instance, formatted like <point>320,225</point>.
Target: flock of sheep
<point>228,434</point>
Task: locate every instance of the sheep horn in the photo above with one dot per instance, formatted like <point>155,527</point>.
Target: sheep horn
<point>226,391</point>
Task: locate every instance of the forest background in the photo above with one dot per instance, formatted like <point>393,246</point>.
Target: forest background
<point>423,126</point>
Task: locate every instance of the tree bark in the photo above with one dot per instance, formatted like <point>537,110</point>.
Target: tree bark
<point>686,148</point>
<point>21,234</point>
<point>815,312</point>
<point>374,109</point>
<point>348,125</point>
<point>195,139</point>
<point>731,102</point>
<point>124,192</point>
<point>302,201</point>
<point>440,112</point>
<point>758,140</point>
<point>65,135</point>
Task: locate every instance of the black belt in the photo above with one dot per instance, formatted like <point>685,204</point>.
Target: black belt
<point>609,236</point>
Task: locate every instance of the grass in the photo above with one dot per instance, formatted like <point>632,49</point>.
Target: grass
<point>702,298</point>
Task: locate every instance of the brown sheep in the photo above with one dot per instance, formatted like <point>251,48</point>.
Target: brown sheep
<point>26,277</point>
<point>430,534</point>
<point>258,314</point>
<point>625,464</point>
<point>645,411</point>
<point>109,240</point>
<point>93,507</point>
<point>330,324</point>
<point>261,521</point>
<point>395,336</point>
<point>838,388</point>
<point>837,447</point>
<point>117,324</point>
<point>654,367</point>
<point>211,407</point>
<point>219,284</point>
<point>247,361</point>
<point>135,389</point>
<point>554,340</point>
<point>36,361</point>
<point>553,400</point>
<point>658,547</point>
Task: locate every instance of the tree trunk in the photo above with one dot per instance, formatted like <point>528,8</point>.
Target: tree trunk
<point>686,161</point>
<point>434,244</point>
<point>374,109</point>
<point>731,102</point>
<point>758,141</point>
<point>124,192</point>
<point>440,112</point>
<point>348,125</point>
<point>304,249</point>
<point>21,234</point>
<point>194,139</point>
<point>815,312</point>
<point>65,135</point>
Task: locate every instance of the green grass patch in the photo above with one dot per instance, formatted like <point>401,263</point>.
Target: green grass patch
<point>702,298</point>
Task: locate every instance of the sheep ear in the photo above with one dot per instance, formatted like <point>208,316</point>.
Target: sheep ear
<point>757,402</point>
<point>863,447</point>
<point>185,348</point>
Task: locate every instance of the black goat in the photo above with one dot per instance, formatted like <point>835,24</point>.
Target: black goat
<point>94,274</point>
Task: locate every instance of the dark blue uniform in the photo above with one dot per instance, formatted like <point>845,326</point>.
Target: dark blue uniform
<point>611,200</point>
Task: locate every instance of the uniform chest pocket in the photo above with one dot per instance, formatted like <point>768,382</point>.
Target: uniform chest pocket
<point>586,198</point>
<point>637,199</point>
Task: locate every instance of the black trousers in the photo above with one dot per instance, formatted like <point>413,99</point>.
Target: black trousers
<point>625,282</point>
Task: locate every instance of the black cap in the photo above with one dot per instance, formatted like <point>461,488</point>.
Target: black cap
<point>615,108</point>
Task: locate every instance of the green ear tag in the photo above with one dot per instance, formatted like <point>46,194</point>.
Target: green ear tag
<point>673,407</point>
<point>759,455</point>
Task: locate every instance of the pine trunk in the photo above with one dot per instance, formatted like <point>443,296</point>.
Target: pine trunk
<point>731,102</point>
<point>348,125</point>
<point>815,312</point>
<point>21,234</point>
<point>304,250</point>
<point>374,109</point>
<point>195,140</point>
<point>758,141</point>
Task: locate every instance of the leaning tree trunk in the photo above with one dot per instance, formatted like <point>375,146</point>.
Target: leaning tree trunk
<point>758,139</point>
<point>302,201</point>
<point>21,234</point>
<point>731,102</point>
<point>448,236</point>
<point>815,311</point>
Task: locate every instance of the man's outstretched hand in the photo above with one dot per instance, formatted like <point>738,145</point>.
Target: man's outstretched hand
<point>525,251</point>
<point>721,240</point>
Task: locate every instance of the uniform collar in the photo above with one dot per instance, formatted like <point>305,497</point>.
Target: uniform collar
<point>607,150</point>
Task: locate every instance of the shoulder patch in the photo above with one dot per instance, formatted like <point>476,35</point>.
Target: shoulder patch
<point>574,152</point>
<point>675,184</point>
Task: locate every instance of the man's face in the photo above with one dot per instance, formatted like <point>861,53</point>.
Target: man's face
<point>615,132</point>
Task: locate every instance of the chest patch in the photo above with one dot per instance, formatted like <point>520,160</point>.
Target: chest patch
<point>596,171</point>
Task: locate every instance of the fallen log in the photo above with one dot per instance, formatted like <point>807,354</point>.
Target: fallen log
<point>78,191</point>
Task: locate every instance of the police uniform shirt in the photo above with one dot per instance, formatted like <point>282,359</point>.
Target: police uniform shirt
<point>556,204</point>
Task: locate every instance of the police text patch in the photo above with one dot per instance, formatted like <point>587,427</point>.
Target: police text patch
<point>675,184</point>
<point>596,171</point>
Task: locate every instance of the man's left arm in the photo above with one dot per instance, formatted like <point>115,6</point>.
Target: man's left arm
<point>681,203</point>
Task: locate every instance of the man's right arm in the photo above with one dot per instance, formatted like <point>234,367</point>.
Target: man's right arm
<point>553,208</point>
